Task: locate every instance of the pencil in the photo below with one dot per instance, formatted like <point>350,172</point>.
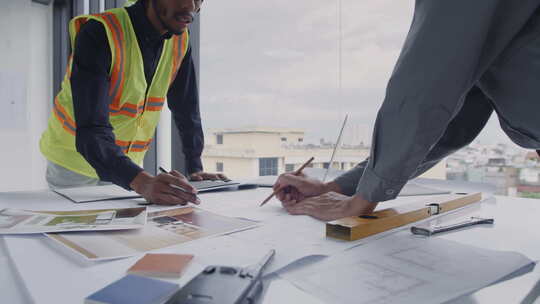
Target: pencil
<point>297,172</point>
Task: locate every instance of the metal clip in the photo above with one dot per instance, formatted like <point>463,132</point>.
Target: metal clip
<point>434,208</point>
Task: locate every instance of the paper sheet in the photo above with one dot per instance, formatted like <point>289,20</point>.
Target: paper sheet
<point>165,228</point>
<point>244,204</point>
<point>405,269</point>
<point>16,221</point>
<point>281,291</point>
<point>526,286</point>
<point>293,238</point>
<point>96,193</point>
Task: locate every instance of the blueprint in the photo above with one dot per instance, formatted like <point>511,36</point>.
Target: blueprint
<point>403,268</point>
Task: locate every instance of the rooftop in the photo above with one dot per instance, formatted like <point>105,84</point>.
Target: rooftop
<point>257,129</point>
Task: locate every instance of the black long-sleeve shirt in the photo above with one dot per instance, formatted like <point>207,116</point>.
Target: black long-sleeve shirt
<point>90,82</point>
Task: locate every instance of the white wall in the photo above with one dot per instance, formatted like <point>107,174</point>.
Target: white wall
<point>25,90</point>
<point>233,167</point>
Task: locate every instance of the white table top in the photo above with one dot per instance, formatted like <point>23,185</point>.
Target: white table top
<point>39,271</point>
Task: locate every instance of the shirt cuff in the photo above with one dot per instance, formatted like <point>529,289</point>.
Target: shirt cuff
<point>348,181</point>
<point>376,189</point>
<point>129,171</point>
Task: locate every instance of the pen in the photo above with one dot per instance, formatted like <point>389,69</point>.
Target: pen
<point>297,172</point>
<point>180,188</point>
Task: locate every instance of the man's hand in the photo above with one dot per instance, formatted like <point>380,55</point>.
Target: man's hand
<point>199,176</point>
<point>158,189</point>
<point>295,188</point>
<point>331,206</point>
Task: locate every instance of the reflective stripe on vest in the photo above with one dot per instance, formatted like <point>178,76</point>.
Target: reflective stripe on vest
<point>155,104</point>
<point>67,122</point>
<point>117,74</point>
<point>136,146</point>
<point>128,109</point>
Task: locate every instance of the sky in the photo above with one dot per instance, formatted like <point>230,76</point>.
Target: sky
<point>276,64</point>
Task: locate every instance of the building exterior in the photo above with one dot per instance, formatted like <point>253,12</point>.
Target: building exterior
<point>253,152</point>
<point>514,171</point>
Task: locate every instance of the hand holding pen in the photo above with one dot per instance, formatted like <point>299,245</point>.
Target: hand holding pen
<point>278,189</point>
<point>187,190</point>
<point>165,189</point>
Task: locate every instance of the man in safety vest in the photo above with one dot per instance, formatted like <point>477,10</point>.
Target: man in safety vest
<point>126,62</point>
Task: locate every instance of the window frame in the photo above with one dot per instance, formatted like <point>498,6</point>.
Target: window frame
<point>268,169</point>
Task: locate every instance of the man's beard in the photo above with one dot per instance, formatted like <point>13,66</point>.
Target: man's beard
<point>158,10</point>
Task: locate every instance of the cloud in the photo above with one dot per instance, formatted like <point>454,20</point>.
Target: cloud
<point>275,63</point>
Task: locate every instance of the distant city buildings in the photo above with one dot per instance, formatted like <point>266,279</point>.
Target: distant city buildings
<point>258,151</point>
<point>514,171</point>
<point>247,153</point>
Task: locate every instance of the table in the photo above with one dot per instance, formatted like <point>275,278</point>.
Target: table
<point>41,272</point>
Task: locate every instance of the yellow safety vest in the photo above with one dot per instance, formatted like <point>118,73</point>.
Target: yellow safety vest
<point>133,110</point>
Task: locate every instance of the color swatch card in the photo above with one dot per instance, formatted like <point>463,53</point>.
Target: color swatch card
<point>161,265</point>
<point>133,289</point>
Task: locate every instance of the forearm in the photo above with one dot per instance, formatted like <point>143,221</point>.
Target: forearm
<point>98,148</point>
<point>332,187</point>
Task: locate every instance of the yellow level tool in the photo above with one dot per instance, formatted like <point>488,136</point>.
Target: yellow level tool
<point>354,228</point>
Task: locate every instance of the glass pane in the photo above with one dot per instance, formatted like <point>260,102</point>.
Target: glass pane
<point>278,78</point>
<point>279,83</point>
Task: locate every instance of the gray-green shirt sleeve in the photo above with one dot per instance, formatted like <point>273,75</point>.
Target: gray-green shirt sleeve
<point>449,46</point>
<point>348,181</point>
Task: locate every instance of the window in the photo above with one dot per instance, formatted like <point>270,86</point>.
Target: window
<point>326,165</point>
<point>336,58</point>
<point>219,167</point>
<point>278,94</point>
<point>289,167</point>
<point>268,166</point>
<point>219,139</point>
